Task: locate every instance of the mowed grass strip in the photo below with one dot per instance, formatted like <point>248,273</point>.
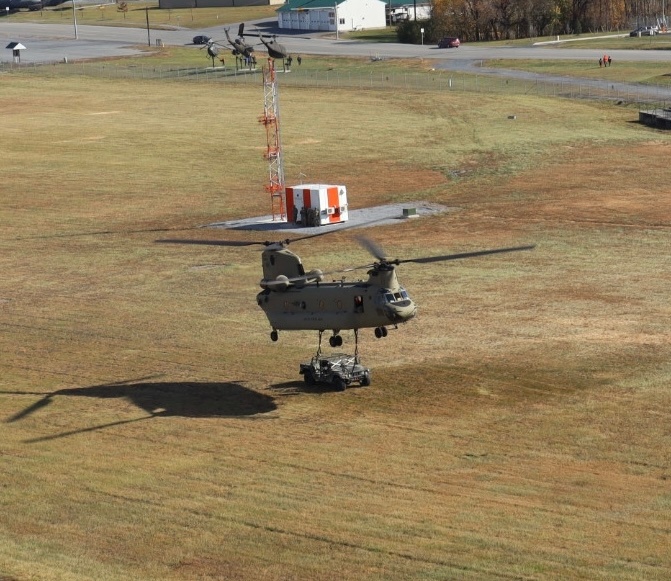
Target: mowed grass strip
<point>516,428</point>
<point>653,73</point>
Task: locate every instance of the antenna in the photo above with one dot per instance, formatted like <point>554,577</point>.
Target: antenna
<point>271,121</point>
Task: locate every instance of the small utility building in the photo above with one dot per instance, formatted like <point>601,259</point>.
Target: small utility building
<point>332,15</point>
<point>16,48</point>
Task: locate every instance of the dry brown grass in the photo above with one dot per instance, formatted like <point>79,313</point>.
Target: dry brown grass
<point>518,428</point>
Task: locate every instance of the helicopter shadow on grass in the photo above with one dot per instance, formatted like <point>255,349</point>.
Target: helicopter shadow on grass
<point>189,399</point>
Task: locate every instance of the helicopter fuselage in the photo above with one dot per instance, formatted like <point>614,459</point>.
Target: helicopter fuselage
<point>337,306</point>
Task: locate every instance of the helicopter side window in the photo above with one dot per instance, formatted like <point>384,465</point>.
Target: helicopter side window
<point>404,294</point>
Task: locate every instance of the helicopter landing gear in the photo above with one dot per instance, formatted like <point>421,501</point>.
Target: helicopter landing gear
<point>274,336</point>
<point>380,332</point>
<point>335,340</point>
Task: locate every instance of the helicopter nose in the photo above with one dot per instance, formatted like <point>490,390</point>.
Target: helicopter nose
<point>400,311</point>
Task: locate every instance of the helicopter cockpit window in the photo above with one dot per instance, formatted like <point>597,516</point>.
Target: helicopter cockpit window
<point>396,296</point>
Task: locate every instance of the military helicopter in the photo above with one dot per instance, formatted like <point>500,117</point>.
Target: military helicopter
<point>294,300</point>
<point>275,49</point>
<point>212,50</point>
<point>239,46</point>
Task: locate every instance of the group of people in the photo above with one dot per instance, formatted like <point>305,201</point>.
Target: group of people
<point>605,61</point>
<point>290,59</point>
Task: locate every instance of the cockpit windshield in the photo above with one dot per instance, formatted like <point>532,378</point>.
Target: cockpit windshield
<point>400,295</point>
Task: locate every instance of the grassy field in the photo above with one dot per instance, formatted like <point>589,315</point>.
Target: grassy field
<point>625,72</point>
<point>517,428</point>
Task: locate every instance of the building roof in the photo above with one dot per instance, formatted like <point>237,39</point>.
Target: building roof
<point>290,5</point>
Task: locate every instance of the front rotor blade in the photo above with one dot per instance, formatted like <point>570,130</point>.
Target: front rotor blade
<point>372,247</point>
<point>466,254</point>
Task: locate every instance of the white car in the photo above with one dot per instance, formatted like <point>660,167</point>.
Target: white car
<point>645,31</point>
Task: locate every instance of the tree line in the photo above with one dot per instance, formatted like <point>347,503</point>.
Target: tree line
<point>481,20</point>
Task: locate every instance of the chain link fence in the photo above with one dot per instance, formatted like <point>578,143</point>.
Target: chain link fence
<point>640,95</point>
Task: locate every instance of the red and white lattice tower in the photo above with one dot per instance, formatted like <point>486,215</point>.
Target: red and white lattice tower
<point>271,121</point>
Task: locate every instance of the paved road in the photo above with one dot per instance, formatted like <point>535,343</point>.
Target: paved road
<point>54,42</point>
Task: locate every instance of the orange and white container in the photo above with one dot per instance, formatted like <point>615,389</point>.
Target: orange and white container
<point>316,204</point>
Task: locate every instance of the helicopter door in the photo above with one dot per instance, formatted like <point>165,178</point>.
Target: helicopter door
<point>358,304</point>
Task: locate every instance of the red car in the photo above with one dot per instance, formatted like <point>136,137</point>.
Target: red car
<point>449,42</point>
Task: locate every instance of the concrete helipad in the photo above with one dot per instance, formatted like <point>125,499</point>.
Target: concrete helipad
<point>376,216</point>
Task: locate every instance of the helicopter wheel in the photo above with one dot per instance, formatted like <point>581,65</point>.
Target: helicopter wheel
<point>335,341</point>
<point>380,332</point>
<point>274,336</point>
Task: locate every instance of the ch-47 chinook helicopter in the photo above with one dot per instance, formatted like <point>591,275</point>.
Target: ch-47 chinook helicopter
<point>293,299</point>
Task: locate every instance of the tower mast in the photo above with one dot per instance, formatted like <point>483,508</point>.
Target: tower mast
<point>271,121</point>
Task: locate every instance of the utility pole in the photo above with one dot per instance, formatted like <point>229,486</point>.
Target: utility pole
<point>146,11</point>
<point>74,18</point>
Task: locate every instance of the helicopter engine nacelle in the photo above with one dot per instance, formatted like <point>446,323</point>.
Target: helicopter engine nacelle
<point>280,283</point>
<point>312,276</point>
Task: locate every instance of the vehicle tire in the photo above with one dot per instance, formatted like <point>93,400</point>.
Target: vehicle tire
<point>309,378</point>
<point>339,383</point>
<point>365,380</point>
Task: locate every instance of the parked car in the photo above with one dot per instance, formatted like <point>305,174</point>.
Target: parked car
<point>449,42</point>
<point>644,31</point>
<point>201,39</point>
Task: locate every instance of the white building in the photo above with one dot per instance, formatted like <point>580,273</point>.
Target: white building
<point>324,14</point>
<point>401,10</point>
